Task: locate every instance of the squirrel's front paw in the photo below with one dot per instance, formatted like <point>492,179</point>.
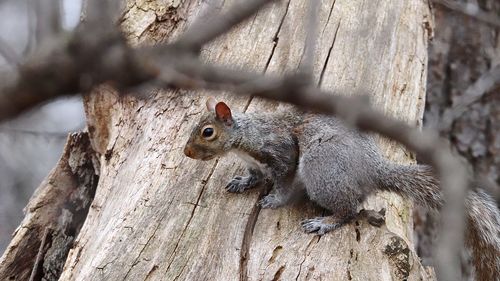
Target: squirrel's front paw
<point>271,201</point>
<point>238,184</point>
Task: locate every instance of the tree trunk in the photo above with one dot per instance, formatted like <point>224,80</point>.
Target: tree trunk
<point>158,215</point>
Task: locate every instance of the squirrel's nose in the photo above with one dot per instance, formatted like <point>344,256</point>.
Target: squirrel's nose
<point>188,151</point>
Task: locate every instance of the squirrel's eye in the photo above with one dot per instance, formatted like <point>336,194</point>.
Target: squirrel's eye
<point>208,133</point>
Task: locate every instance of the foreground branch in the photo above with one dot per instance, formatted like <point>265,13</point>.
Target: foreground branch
<point>8,53</point>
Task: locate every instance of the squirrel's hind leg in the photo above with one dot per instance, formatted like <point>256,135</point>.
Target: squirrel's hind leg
<point>322,225</point>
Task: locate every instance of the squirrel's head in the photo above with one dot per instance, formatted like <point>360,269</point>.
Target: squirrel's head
<point>211,137</point>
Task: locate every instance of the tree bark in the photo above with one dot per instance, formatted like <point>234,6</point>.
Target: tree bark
<point>54,216</point>
<point>158,215</point>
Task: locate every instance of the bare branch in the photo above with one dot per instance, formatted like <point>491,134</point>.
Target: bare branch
<point>43,134</point>
<point>102,12</point>
<point>202,32</point>
<point>6,51</point>
<point>32,26</point>
<point>471,10</point>
<point>473,93</point>
<point>71,67</point>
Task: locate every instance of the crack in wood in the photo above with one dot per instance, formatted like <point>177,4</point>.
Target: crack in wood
<point>306,254</point>
<point>349,263</point>
<point>254,214</point>
<point>328,56</point>
<point>182,270</point>
<point>136,260</point>
<point>106,264</point>
<point>328,19</point>
<point>278,273</point>
<point>276,37</point>
<point>247,239</point>
<point>205,182</point>
<point>151,271</point>
<point>248,104</point>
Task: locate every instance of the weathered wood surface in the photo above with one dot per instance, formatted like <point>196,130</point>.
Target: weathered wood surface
<point>158,215</point>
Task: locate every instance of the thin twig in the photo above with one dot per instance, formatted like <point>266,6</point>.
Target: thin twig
<point>39,256</point>
<point>473,93</point>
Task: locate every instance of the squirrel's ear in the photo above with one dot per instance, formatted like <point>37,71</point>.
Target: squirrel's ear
<point>211,102</point>
<point>223,113</point>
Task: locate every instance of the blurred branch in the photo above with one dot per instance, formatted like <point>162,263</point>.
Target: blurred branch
<point>32,26</point>
<point>472,10</point>
<point>8,53</point>
<point>202,32</point>
<point>97,52</point>
<point>36,133</point>
<point>307,63</point>
<point>209,9</point>
<point>101,12</point>
<point>48,19</point>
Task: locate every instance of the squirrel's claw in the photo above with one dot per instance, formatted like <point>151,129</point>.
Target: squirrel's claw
<point>318,225</point>
<point>237,185</point>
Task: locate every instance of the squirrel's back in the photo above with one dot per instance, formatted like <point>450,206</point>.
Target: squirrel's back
<point>341,166</point>
<point>338,165</point>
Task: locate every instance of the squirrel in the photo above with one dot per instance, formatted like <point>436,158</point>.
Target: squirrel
<point>336,166</point>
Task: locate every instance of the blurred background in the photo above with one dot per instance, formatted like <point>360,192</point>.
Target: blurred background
<point>464,49</point>
<point>31,144</point>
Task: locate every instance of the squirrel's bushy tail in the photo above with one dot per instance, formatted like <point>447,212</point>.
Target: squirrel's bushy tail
<point>419,183</point>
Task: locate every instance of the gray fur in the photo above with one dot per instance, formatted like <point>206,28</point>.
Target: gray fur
<point>337,167</point>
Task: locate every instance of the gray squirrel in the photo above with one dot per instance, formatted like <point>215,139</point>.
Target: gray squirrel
<point>337,166</point>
